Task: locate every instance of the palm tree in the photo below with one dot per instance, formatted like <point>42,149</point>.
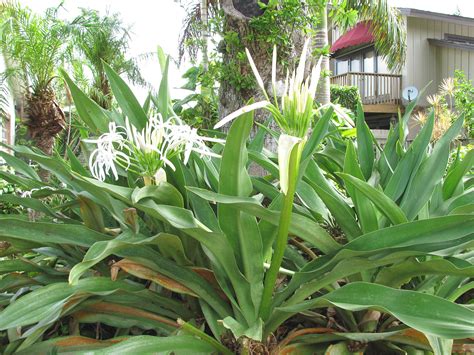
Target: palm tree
<point>205,33</point>
<point>35,47</point>
<point>99,39</point>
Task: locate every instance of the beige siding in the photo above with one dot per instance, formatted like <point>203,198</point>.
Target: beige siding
<point>426,62</point>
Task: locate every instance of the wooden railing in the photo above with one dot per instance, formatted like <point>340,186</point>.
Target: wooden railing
<point>374,88</point>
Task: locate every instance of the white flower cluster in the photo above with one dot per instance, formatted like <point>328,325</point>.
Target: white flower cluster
<point>146,152</point>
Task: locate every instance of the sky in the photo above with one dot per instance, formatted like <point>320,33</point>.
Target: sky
<point>158,22</point>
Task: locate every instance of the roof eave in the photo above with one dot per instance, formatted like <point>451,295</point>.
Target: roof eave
<point>408,12</point>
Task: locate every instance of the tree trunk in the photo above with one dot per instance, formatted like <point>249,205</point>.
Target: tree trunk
<point>238,14</point>
<point>231,97</point>
<point>323,94</point>
<point>205,33</point>
<point>45,120</point>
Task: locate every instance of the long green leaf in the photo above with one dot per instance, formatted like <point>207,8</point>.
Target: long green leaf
<point>365,149</point>
<point>240,228</point>
<point>364,207</point>
<point>455,176</point>
<point>429,174</point>
<point>163,91</point>
<point>48,302</point>
<point>340,210</point>
<point>92,114</point>
<point>410,162</point>
<point>19,165</point>
<point>378,198</point>
<point>151,344</point>
<point>398,275</point>
<point>12,229</point>
<point>126,100</point>
<point>424,312</point>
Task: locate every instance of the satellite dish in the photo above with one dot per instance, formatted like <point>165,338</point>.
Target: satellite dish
<point>410,93</point>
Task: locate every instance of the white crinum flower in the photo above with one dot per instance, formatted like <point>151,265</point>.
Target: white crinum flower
<point>102,159</point>
<point>147,151</point>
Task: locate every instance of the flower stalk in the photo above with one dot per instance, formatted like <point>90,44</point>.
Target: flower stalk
<point>283,228</point>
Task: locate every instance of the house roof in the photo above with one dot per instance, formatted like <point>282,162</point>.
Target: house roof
<point>359,34</point>
<point>462,20</point>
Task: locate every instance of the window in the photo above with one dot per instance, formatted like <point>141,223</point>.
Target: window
<point>369,62</point>
<point>355,64</point>
<point>366,60</point>
<point>342,66</point>
<point>382,65</point>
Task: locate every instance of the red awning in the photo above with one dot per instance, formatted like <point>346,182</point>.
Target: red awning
<point>360,34</point>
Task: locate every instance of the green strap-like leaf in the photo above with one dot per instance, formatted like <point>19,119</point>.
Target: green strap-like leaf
<point>151,344</point>
<point>126,99</point>
<point>240,228</point>
<point>429,174</point>
<point>399,274</point>
<point>47,302</point>
<point>424,312</point>
<point>19,165</point>
<point>410,162</point>
<point>364,207</point>
<point>456,175</point>
<point>12,229</point>
<point>92,114</point>
<point>163,91</point>
<point>300,226</point>
<point>340,210</point>
<point>365,149</point>
<point>378,198</point>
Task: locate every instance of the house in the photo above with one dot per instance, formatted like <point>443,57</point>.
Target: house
<point>7,111</point>
<point>437,45</point>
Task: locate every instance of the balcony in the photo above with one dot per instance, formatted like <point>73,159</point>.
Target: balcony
<point>380,93</point>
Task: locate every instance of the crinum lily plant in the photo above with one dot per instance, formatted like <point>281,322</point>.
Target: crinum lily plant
<point>146,152</point>
<point>293,113</point>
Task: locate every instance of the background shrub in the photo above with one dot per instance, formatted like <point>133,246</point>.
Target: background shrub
<point>346,96</point>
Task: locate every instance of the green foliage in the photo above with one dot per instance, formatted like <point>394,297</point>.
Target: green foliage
<point>7,207</point>
<point>346,96</point>
<point>199,109</point>
<point>279,20</point>
<point>181,265</point>
<point>36,44</point>
<point>464,99</point>
<point>98,39</point>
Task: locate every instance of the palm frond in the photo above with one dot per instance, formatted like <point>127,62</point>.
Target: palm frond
<point>191,31</point>
<point>4,102</point>
<point>34,43</point>
<point>99,39</point>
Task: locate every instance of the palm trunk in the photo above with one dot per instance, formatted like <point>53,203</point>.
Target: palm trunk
<point>205,33</point>
<point>323,95</point>
<point>45,120</point>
